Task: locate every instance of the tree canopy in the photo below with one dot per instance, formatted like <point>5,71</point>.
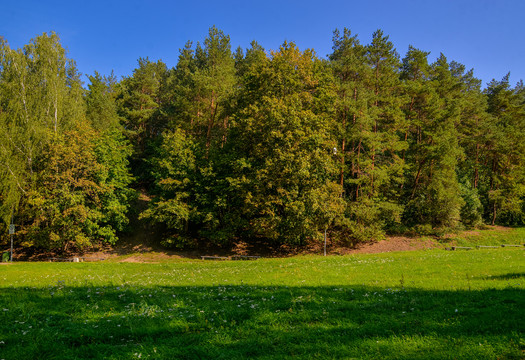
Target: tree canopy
<point>256,145</point>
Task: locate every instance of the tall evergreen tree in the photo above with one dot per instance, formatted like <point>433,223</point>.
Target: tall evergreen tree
<point>384,144</point>
<point>181,105</point>
<point>433,109</point>
<point>101,107</point>
<point>371,124</point>
<point>202,91</point>
<point>174,170</point>
<point>350,70</point>
<point>138,104</point>
<point>505,153</point>
<point>214,80</point>
<point>471,131</point>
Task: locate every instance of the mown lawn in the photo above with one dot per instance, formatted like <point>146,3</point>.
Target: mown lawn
<point>414,305</point>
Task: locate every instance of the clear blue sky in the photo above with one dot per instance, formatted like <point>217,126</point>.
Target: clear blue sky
<point>487,35</point>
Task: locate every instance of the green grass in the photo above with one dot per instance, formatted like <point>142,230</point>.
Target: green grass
<point>491,237</point>
<point>413,305</point>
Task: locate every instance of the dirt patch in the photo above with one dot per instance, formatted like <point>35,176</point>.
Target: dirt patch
<point>498,228</point>
<point>393,243</point>
<point>151,257</point>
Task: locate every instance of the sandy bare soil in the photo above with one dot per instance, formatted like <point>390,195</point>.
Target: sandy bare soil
<point>395,243</point>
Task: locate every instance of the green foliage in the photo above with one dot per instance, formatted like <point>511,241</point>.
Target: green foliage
<point>65,207</point>
<point>285,175</point>
<point>433,111</point>
<point>174,172</point>
<point>138,103</point>
<point>112,151</point>
<point>199,94</point>
<point>472,209</point>
<point>80,195</point>
<point>254,145</point>
<point>101,109</point>
<point>66,183</point>
<point>370,127</point>
<point>40,95</point>
<point>505,147</point>
<point>259,128</point>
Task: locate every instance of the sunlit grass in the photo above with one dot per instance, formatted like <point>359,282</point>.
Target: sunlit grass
<point>491,237</point>
<point>425,304</point>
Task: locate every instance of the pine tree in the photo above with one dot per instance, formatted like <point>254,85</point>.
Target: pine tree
<point>350,70</point>
<point>214,80</point>
<point>371,125</point>
<point>471,131</point>
<point>174,170</point>
<point>384,144</point>
<point>434,113</point>
<point>505,145</point>
<point>101,107</point>
<point>201,90</point>
<point>181,103</point>
<point>138,104</point>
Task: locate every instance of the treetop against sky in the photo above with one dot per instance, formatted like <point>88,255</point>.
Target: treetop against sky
<point>112,35</point>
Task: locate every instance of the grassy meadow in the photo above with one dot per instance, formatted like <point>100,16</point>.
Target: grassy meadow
<point>490,237</point>
<point>432,304</point>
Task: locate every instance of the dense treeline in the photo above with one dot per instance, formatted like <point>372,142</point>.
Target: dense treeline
<point>254,145</point>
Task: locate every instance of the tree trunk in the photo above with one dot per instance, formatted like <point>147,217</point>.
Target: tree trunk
<point>476,167</point>
<point>341,177</point>
<point>358,170</point>
<point>225,131</point>
<point>211,121</point>
<point>408,127</point>
<point>417,179</point>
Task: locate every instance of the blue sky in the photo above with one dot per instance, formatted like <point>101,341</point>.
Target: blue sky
<point>487,35</point>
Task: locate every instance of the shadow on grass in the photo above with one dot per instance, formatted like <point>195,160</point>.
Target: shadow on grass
<point>506,276</point>
<point>233,322</point>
